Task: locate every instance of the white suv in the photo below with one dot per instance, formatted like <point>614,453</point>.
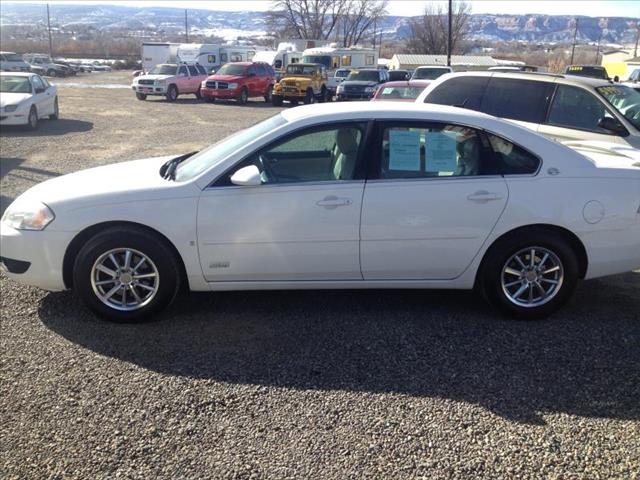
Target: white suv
<point>170,80</point>
<point>12,62</point>
<point>562,107</point>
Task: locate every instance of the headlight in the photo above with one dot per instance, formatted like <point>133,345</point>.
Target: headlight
<point>10,108</point>
<point>297,84</point>
<point>28,215</point>
<point>203,84</point>
<point>370,89</point>
<point>232,86</point>
<point>159,82</point>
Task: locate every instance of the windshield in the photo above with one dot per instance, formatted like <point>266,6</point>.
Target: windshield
<point>342,73</point>
<point>321,59</point>
<point>13,57</point>
<point>428,73</point>
<point>624,99</point>
<point>14,84</point>
<point>217,152</point>
<point>400,93</point>
<point>298,69</point>
<point>231,69</point>
<point>364,75</point>
<point>164,70</point>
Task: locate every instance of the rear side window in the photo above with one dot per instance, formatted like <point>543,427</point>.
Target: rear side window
<point>193,71</point>
<point>510,159</point>
<point>201,70</point>
<point>262,70</point>
<point>524,100</point>
<point>182,71</point>
<point>460,91</point>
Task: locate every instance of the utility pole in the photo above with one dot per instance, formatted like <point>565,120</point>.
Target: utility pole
<point>573,49</point>
<point>635,50</point>
<point>186,26</point>
<point>49,29</point>
<point>598,49</point>
<point>449,37</point>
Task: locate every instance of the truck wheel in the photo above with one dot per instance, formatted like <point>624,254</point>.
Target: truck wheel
<point>276,100</point>
<point>243,97</point>
<point>323,95</point>
<point>309,97</point>
<point>198,94</point>
<point>141,96</point>
<point>172,93</point>
<point>268,94</point>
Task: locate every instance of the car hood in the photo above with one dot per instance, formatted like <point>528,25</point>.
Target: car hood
<point>225,78</point>
<point>296,79</point>
<point>359,83</point>
<point>12,98</point>
<point>607,154</point>
<point>116,183</point>
<point>153,77</point>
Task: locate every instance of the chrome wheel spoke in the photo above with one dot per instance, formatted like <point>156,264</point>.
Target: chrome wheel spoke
<point>551,270</point>
<point>112,257</point>
<point>106,270</point>
<point>135,294</point>
<point>520,262</point>
<point>127,259</point>
<point>111,292</point>
<point>144,275</point>
<point>106,282</point>
<point>139,264</point>
<point>512,271</point>
<point>520,291</point>
<point>511,284</point>
<point>146,287</point>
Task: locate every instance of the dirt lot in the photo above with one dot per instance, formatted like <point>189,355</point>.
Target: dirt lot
<point>385,384</point>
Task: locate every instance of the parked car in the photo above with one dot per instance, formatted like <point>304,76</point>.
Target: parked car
<point>72,69</point>
<point>591,71</point>
<point>399,75</point>
<point>170,80</point>
<point>406,91</point>
<point>46,65</point>
<point>100,67</point>
<point>26,98</point>
<point>635,76</point>
<point>338,77</point>
<point>305,82</point>
<point>361,84</point>
<point>12,62</point>
<point>240,81</point>
<point>453,199</point>
<point>562,107</point>
<point>430,72</point>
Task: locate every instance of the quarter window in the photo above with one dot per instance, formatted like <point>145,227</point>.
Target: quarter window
<point>433,150</point>
<point>510,159</point>
<point>460,91</point>
<point>193,71</point>
<point>575,107</point>
<point>524,100</point>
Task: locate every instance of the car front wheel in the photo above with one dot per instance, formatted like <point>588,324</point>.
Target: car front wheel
<point>126,274</point>
<point>243,97</point>
<point>56,110</point>
<point>530,274</point>
<point>172,93</point>
<point>33,118</point>
<point>141,96</point>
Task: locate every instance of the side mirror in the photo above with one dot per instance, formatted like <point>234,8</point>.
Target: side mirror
<point>247,176</point>
<point>40,90</point>
<point>612,125</point>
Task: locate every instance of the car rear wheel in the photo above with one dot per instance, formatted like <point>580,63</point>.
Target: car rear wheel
<point>211,99</point>
<point>52,73</point>
<point>529,274</point>
<point>56,110</point>
<point>268,94</point>
<point>126,274</point>
<point>33,118</point>
<point>276,100</point>
<point>141,96</point>
<point>243,97</point>
<point>172,93</point>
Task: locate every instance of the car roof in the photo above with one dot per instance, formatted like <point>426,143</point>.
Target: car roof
<point>305,64</point>
<point>17,74</point>
<point>407,83</point>
<point>444,67</point>
<point>537,76</point>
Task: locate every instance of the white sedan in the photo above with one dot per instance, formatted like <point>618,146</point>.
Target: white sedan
<point>25,98</point>
<point>368,195</point>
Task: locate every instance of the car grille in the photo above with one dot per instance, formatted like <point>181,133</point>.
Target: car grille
<point>217,85</point>
<point>353,89</point>
<point>145,82</point>
<point>289,83</point>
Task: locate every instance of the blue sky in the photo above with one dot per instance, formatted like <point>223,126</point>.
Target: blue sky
<point>594,8</point>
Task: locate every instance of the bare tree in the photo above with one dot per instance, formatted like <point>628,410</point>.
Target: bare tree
<point>428,33</point>
<point>359,19</point>
<point>312,19</point>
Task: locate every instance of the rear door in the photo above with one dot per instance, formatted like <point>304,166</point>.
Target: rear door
<point>435,201</point>
<point>182,80</point>
<point>194,78</point>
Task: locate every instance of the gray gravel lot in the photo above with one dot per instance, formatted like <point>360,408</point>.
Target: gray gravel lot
<point>378,384</point>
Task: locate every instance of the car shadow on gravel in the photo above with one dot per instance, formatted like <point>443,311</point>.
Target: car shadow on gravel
<point>441,344</point>
<point>62,126</point>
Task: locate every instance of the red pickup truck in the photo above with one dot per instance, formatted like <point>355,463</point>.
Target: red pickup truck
<point>240,81</point>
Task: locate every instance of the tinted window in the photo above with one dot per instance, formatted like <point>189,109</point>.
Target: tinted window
<point>261,70</point>
<point>395,75</point>
<point>459,91</point>
<point>193,71</point>
<point>329,153</point>
<point>252,70</point>
<point>432,150</point>
<point>182,71</point>
<point>37,82</point>
<point>524,100</point>
<point>364,75</point>
<point>510,159</point>
<point>201,70</point>
<point>575,107</point>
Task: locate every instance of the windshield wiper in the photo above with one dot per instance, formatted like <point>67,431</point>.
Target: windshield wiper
<point>168,170</point>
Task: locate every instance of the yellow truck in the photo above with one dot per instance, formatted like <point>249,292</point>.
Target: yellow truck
<point>302,82</point>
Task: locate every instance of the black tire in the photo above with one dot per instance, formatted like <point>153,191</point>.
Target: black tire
<point>243,97</point>
<point>141,96</point>
<point>269,94</point>
<point>211,99</point>
<point>131,238</point>
<point>172,93</point>
<point>276,100</point>
<point>308,97</point>
<point>32,118</point>
<point>52,73</point>
<point>323,95</point>
<point>56,110</point>
<point>198,94</point>
<point>490,276</point>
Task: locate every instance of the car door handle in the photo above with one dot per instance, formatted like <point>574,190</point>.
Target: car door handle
<point>483,196</point>
<point>330,202</point>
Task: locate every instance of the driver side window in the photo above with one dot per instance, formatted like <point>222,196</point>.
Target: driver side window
<point>328,153</point>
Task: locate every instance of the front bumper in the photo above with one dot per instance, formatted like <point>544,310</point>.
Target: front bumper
<point>223,93</point>
<point>43,251</point>
<point>343,96</point>
<point>150,89</point>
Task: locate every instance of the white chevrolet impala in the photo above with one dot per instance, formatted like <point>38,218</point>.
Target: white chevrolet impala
<point>368,195</point>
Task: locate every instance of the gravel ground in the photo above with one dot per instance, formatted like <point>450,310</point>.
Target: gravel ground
<point>385,384</point>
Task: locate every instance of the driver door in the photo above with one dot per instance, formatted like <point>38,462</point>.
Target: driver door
<point>302,222</point>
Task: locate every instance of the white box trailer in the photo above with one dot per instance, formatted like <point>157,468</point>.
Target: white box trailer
<point>278,60</point>
<point>206,54</point>
<point>154,53</point>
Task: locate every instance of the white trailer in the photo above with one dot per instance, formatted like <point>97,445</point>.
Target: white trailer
<point>334,58</point>
<point>154,53</point>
